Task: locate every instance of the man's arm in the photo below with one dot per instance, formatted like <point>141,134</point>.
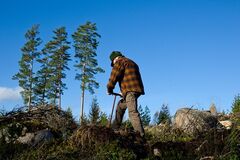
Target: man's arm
<point>116,73</point>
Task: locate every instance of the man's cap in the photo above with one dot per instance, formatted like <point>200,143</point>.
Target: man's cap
<point>115,54</point>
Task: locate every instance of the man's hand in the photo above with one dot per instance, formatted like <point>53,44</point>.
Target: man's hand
<point>116,94</point>
<point>109,91</point>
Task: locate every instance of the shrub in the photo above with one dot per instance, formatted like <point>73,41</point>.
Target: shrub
<point>112,151</point>
<point>236,104</point>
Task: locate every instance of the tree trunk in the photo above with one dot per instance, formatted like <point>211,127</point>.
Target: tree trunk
<point>59,100</point>
<point>42,100</point>
<point>44,90</point>
<point>82,103</point>
<point>59,87</point>
<point>29,100</point>
<point>54,99</point>
<point>30,89</point>
<point>83,93</point>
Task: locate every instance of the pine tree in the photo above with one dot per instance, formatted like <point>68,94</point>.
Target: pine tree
<point>26,76</point>
<point>103,119</point>
<point>43,85</point>
<point>94,113</point>
<point>85,44</point>
<point>164,115</point>
<point>141,112</point>
<point>236,104</point>
<point>155,118</point>
<point>146,118</point>
<point>58,63</point>
<point>85,120</point>
<point>69,112</point>
<point>145,115</point>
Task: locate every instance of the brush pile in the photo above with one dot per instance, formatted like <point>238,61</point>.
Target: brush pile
<point>21,124</point>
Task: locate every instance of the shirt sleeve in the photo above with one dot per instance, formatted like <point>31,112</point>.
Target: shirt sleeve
<point>116,74</point>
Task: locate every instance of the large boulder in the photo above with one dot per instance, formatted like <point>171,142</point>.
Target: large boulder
<point>36,138</point>
<point>193,121</point>
<point>43,136</point>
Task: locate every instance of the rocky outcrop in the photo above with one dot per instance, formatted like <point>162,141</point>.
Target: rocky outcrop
<point>193,121</point>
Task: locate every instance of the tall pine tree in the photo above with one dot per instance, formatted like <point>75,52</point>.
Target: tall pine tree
<point>26,75</point>
<point>59,57</point>
<point>85,44</point>
<point>44,74</point>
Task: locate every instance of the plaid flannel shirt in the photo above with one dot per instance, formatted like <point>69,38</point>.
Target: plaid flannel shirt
<point>126,73</point>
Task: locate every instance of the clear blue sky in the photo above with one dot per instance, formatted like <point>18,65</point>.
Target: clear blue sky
<point>188,51</point>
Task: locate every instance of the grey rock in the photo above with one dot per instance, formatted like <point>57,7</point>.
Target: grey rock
<point>27,139</point>
<point>42,136</point>
<point>193,121</point>
<point>156,152</point>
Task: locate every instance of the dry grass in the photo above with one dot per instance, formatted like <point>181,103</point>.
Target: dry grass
<point>87,136</point>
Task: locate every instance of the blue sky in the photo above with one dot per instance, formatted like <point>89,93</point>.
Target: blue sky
<point>188,51</point>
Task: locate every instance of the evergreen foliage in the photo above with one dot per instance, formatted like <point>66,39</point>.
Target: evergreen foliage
<point>26,75</point>
<point>163,116</point>
<point>145,115</point>
<point>155,118</point>
<point>85,121</point>
<point>69,112</point>
<point>59,58</point>
<point>236,104</point>
<point>85,44</point>
<point>127,124</point>
<point>45,84</point>
<point>140,110</point>
<point>94,113</point>
<point>103,119</point>
<point>44,74</point>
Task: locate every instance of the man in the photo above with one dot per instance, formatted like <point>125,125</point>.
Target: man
<point>126,73</point>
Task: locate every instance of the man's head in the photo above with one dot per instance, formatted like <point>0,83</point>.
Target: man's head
<point>114,55</point>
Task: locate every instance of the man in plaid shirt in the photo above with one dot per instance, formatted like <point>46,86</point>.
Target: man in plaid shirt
<point>126,73</point>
